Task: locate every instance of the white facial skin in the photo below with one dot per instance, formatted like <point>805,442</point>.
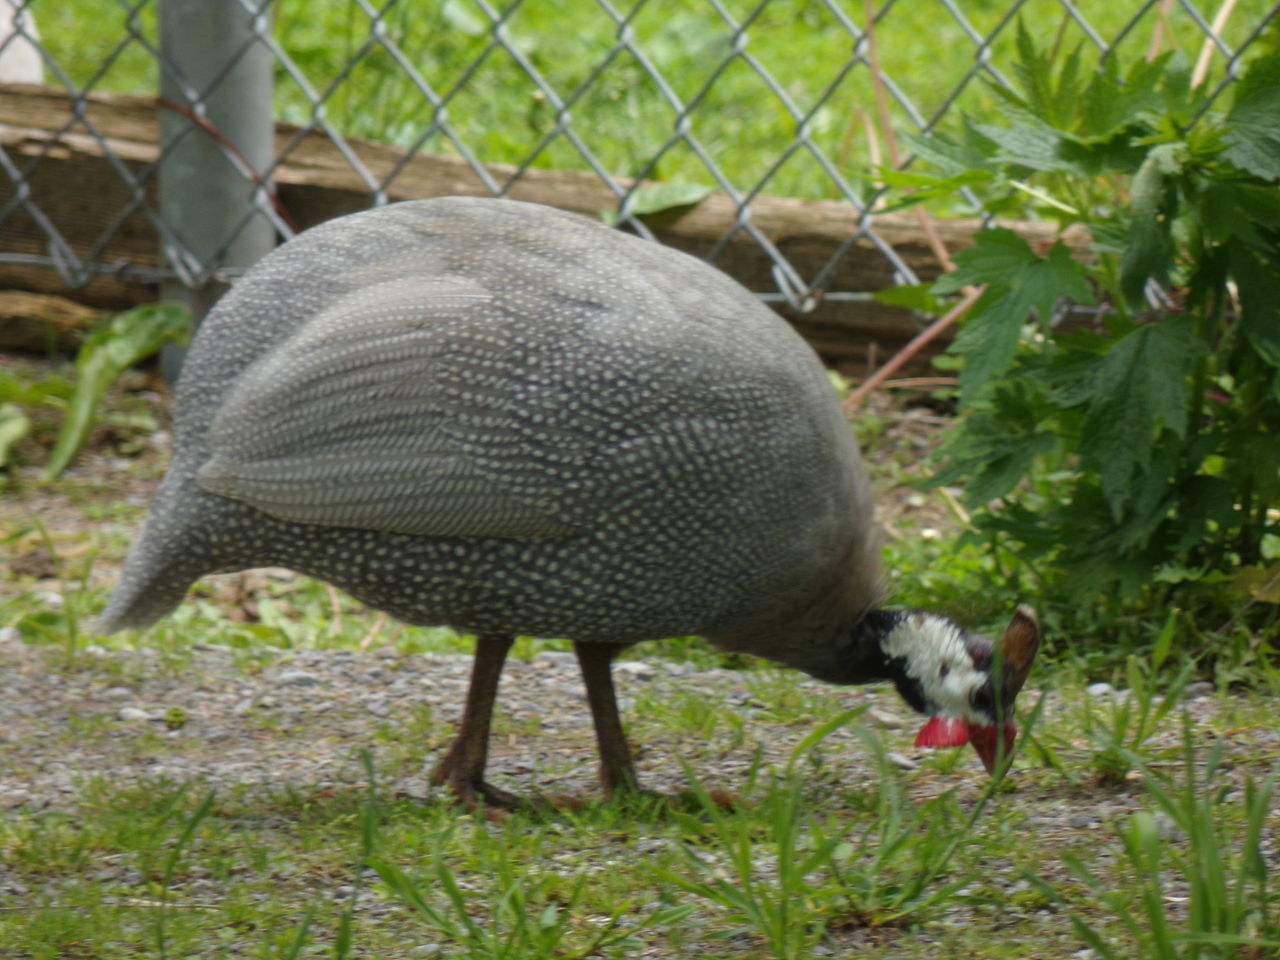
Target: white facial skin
<point>936,655</point>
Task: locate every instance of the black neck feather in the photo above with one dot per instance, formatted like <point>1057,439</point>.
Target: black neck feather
<point>862,659</point>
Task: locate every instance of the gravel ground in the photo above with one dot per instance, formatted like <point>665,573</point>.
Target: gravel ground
<point>301,719</point>
<point>212,718</point>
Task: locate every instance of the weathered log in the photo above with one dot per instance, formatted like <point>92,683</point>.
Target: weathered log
<point>43,323</point>
<point>106,221</point>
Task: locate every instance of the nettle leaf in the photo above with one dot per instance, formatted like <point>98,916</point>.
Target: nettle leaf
<point>1120,153</point>
<point>1066,375</point>
<point>1142,385</point>
<point>1032,145</point>
<point>996,253</point>
<point>1154,201</point>
<point>992,448</point>
<point>950,156</point>
<point>913,296</point>
<point>1052,99</point>
<point>1253,136</point>
<point>659,198</point>
<point>1018,283</point>
<point>925,186</point>
<point>1150,493</point>
<point>1110,104</point>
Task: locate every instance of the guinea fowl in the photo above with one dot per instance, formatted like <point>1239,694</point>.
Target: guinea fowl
<point>515,421</point>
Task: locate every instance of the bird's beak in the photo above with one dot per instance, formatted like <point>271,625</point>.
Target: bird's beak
<point>954,732</point>
<point>986,742</point>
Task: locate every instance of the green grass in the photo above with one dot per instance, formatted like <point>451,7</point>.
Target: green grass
<point>802,866</point>
<point>502,117</point>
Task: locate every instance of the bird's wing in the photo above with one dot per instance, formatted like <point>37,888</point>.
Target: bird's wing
<point>384,412</point>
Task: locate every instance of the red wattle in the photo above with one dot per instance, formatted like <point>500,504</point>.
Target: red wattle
<point>943,732</point>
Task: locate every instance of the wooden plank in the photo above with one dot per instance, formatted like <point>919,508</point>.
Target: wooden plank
<point>315,182</point>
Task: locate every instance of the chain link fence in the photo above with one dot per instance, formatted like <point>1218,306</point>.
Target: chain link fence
<point>175,141</point>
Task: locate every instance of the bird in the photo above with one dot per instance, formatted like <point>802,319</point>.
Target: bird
<point>517,421</point>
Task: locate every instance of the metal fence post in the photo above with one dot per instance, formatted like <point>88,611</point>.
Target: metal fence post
<point>214,67</point>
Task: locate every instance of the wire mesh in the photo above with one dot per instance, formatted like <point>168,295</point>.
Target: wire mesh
<point>749,98</point>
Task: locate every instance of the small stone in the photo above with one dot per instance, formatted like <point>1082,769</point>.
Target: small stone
<point>133,714</point>
<point>1199,689</point>
<point>902,762</point>
<point>636,668</point>
<point>560,658</point>
<point>426,950</point>
<point>117,693</point>
<point>297,678</point>
<point>1100,690</point>
<point>16,798</point>
<point>10,635</point>
<point>414,788</point>
<point>886,719</point>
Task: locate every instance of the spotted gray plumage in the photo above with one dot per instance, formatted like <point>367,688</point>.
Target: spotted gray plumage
<point>512,420</point>
<point>507,419</point>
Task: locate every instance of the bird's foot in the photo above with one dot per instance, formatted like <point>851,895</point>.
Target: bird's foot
<point>480,796</point>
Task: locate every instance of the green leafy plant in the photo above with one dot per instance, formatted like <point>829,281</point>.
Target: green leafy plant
<point>121,342</point>
<point>1119,731</point>
<point>1221,866</point>
<point>509,912</point>
<point>1134,457</point>
<point>788,876</point>
<point>189,827</point>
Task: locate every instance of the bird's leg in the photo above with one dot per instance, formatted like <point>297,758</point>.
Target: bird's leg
<point>616,770</point>
<point>462,768</point>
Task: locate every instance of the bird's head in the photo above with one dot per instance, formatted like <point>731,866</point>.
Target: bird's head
<point>964,681</point>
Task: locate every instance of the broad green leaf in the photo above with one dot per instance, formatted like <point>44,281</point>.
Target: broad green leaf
<point>1149,494</point>
<point>1028,145</point>
<point>1253,134</point>
<point>1151,252</point>
<point>121,342</point>
<point>1066,374</point>
<point>1018,282</point>
<point>664,196</point>
<point>1034,71</point>
<point>995,253</point>
<point>952,157</point>
<point>14,425</point>
<point>1142,385</point>
<point>996,477</point>
<point>1110,105</point>
<point>989,338</point>
<point>918,187</point>
<point>913,296</point>
<point>993,448</point>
